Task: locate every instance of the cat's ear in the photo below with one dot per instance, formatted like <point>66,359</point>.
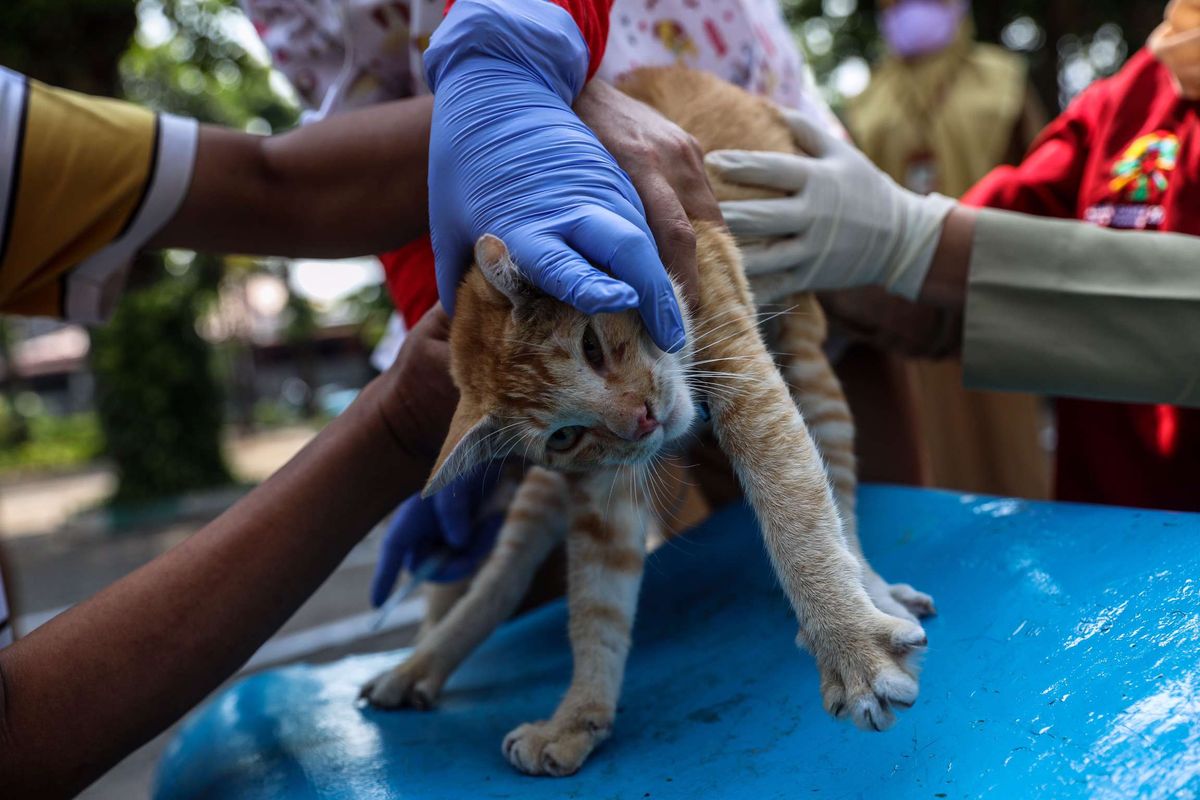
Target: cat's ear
<point>468,443</point>
<point>494,260</point>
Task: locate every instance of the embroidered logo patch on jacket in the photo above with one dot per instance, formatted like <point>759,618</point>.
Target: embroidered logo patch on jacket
<point>1140,179</point>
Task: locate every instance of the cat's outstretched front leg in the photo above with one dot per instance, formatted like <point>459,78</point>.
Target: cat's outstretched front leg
<point>605,553</point>
<point>536,522</point>
<point>866,657</point>
<point>818,393</point>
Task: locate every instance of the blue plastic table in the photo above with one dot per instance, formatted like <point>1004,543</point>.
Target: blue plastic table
<point>1065,663</point>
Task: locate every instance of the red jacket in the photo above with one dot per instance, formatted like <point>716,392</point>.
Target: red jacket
<point>410,277</point>
<point>1126,154</point>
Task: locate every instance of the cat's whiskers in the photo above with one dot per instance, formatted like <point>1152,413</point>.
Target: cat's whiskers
<point>673,458</point>
<point>506,449</point>
<point>740,376</point>
<point>704,376</point>
<point>608,505</point>
<point>498,431</point>
<point>499,461</point>
<point>712,389</point>
<point>649,487</point>
<point>732,358</point>
<point>760,319</point>
<point>736,316</point>
<point>476,446</point>
<point>736,313</point>
<point>729,387</point>
<point>657,482</point>
<point>661,356</point>
<point>672,511</point>
<point>539,346</point>
<point>654,498</point>
<point>718,377</point>
<point>510,444</point>
<point>701,348</point>
<point>529,442</point>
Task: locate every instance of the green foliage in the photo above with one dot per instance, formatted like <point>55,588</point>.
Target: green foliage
<point>157,392</point>
<point>372,307</point>
<point>275,414</point>
<point>833,33</point>
<point>14,428</point>
<point>194,67</point>
<point>159,407</point>
<point>53,443</point>
<point>301,325</point>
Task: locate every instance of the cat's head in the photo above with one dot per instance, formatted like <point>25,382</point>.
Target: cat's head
<point>543,381</point>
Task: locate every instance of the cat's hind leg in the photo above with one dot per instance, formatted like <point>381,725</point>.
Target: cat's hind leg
<point>536,522</point>
<point>605,553</point>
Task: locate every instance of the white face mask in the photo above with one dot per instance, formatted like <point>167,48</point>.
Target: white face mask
<point>1176,44</point>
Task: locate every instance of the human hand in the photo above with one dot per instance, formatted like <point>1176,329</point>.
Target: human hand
<point>461,520</point>
<point>417,396</point>
<point>509,157</point>
<point>666,166</point>
<point>847,223</point>
<point>893,324</point>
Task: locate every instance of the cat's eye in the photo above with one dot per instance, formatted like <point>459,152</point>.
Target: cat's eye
<point>592,350</point>
<point>564,439</point>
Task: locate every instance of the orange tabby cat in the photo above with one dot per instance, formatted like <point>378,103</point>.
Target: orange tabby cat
<point>593,403</point>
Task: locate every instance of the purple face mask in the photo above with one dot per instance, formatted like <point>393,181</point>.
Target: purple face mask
<point>920,27</point>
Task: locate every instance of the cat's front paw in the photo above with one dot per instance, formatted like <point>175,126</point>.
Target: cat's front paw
<point>898,599</point>
<point>870,669</point>
<point>556,747</point>
<point>412,684</point>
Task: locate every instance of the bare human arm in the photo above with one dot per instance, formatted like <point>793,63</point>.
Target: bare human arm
<point>356,183</point>
<point>350,185</point>
<point>946,282</point>
<point>84,690</point>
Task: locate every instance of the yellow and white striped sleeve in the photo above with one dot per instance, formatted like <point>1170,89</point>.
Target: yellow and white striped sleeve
<point>85,182</point>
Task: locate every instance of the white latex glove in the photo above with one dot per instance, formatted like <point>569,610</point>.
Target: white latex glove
<point>847,223</point>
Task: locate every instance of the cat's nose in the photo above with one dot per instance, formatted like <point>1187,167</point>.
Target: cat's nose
<point>646,422</point>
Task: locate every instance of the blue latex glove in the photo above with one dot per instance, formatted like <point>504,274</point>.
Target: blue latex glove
<point>508,156</point>
<point>448,520</point>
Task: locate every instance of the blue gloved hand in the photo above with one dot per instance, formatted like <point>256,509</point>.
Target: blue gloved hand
<point>450,520</point>
<point>508,156</point>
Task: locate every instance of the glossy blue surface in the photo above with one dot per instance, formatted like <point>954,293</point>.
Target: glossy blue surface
<point>1065,663</point>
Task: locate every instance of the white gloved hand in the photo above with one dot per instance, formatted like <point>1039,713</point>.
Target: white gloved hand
<point>847,223</point>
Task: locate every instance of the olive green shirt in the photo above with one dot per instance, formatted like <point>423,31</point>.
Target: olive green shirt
<point>1068,309</point>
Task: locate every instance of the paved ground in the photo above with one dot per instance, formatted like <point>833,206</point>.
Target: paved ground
<point>40,504</point>
<point>53,570</point>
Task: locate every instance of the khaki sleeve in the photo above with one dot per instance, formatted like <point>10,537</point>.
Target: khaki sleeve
<point>1068,309</point>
